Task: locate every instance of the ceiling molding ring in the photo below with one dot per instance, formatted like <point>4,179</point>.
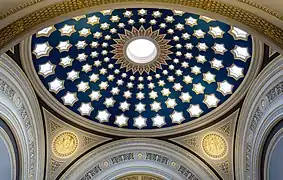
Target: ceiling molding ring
<point>26,58</point>
<point>21,112</point>
<point>262,109</point>
<point>33,21</point>
<point>138,155</point>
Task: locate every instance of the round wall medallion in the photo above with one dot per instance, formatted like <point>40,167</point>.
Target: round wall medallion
<point>65,144</point>
<point>214,145</point>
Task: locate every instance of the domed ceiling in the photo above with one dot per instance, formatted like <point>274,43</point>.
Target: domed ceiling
<point>141,68</point>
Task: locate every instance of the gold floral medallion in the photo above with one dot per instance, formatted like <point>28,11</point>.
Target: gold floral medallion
<point>214,145</point>
<point>162,55</point>
<point>65,144</point>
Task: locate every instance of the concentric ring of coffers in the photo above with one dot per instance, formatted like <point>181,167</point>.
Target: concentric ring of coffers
<point>198,63</point>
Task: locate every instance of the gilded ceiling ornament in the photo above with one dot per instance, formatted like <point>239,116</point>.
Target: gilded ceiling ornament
<point>158,39</point>
<point>214,145</point>
<point>65,144</point>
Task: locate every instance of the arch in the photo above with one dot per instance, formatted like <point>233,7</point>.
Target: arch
<point>20,110</point>
<point>139,155</point>
<point>262,109</point>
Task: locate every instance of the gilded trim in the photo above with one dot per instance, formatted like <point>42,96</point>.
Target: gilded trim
<point>24,24</point>
<point>11,11</point>
<point>263,8</point>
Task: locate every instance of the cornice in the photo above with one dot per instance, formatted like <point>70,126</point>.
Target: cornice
<point>7,13</point>
<point>33,20</point>
<point>263,8</point>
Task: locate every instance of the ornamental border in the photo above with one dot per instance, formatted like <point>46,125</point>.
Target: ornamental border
<point>134,146</point>
<point>24,24</point>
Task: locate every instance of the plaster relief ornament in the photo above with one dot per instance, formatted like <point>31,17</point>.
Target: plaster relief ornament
<point>65,144</point>
<point>141,68</point>
<point>214,145</point>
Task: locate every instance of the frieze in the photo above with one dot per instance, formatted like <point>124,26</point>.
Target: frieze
<point>256,118</point>
<point>91,173</point>
<point>84,164</point>
<point>187,173</point>
<point>157,157</point>
<point>138,156</point>
<point>122,157</point>
<point>10,93</point>
<point>275,92</point>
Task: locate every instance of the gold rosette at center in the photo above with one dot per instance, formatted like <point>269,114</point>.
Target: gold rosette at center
<point>154,36</point>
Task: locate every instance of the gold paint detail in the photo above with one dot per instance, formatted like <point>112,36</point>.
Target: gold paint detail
<point>224,166</point>
<point>139,177</point>
<point>214,145</point>
<point>249,19</point>
<point>263,8</point>
<point>11,11</point>
<point>65,144</point>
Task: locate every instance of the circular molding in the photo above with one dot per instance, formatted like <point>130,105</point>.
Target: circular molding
<point>257,58</point>
<point>65,144</point>
<point>257,118</point>
<point>124,157</point>
<point>214,145</point>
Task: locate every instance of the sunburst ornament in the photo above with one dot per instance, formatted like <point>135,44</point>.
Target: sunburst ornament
<point>141,50</point>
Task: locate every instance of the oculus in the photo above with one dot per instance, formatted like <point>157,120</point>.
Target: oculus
<point>141,68</point>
